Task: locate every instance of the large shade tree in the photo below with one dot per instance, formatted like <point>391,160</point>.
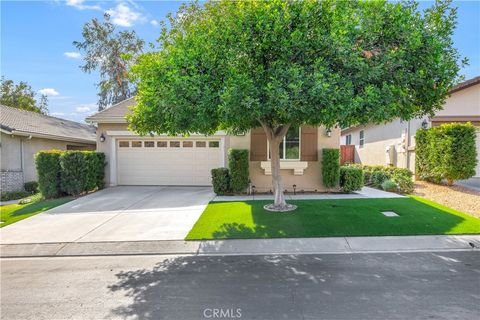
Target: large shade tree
<point>237,65</point>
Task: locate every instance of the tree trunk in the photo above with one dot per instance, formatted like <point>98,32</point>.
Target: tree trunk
<point>275,137</point>
<point>449,181</point>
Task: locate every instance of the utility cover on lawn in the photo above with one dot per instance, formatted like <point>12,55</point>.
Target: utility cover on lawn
<point>389,214</point>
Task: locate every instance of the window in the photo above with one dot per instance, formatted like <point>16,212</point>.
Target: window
<point>200,144</point>
<point>149,144</point>
<point>124,144</point>
<point>162,144</point>
<point>290,146</point>
<point>174,144</point>
<point>362,138</point>
<point>213,144</point>
<point>348,139</point>
<point>136,144</point>
<point>187,144</point>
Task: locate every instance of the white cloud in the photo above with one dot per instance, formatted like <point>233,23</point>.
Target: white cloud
<point>73,55</point>
<point>154,22</point>
<point>49,92</point>
<point>84,109</point>
<point>123,16</point>
<point>78,4</point>
<point>57,114</point>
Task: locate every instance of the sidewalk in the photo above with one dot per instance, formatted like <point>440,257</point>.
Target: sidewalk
<point>337,245</point>
<point>366,192</point>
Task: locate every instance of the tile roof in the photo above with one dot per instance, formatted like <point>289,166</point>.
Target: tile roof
<point>21,121</point>
<point>115,112</point>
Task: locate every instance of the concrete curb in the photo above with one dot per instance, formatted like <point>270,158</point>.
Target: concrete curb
<point>335,245</point>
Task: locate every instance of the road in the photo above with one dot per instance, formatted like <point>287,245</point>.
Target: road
<point>432,285</point>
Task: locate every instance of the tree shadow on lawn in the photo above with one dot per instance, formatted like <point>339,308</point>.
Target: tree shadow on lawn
<point>336,218</point>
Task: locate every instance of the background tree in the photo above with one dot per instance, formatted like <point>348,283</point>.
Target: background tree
<point>111,53</point>
<point>21,96</point>
<point>236,65</point>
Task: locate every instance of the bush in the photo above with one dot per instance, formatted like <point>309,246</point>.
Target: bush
<point>404,183</point>
<point>48,172</point>
<point>238,167</point>
<point>70,172</point>
<point>378,177</point>
<point>330,167</point>
<point>351,178</point>
<point>389,185</point>
<point>74,172</point>
<point>31,187</point>
<point>446,152</point>
<point>14,195</point>
<point>221,181</point>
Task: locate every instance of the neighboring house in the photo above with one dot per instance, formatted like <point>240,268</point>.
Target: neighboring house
<point>166,160</point>
<point>393,143</point>
<point>24,133</point>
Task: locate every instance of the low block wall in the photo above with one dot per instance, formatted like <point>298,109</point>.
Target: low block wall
<point>11,181</point>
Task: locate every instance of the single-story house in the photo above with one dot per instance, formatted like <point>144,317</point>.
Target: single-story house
<point>167,160</point>
<point>393,143</point>
<point>24,133</point>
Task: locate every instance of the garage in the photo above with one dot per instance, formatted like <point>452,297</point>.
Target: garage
<point>185,162</point>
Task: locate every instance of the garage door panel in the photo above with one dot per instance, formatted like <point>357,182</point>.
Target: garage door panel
<point>166,165</point>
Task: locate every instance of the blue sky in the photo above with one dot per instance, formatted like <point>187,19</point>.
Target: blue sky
<point>36,44</point>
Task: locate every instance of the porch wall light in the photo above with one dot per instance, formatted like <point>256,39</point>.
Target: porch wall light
<point>328,132</point>
<point>102,138</point>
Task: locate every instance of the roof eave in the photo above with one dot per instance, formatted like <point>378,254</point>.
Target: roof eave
<point>49,136</point>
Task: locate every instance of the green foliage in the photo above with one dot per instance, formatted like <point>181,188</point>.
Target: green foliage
<point>446,152</point>
<point>14,195</point>
<point>31,187</point>
<point>238,167</point>
<point>377,178</point>
<point>376,175</point>
<point>69,172</point>
<point>221,181</point>
<point>74,171</point>
<point>331,167</point>
<point>230,64</point>
<point>110,53</point>
<point>48,172</point>
<point>351,178</point>
<point>389,185</point>
<point>21,96</point>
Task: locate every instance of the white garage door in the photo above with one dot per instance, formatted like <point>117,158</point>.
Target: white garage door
<point>167,162</point>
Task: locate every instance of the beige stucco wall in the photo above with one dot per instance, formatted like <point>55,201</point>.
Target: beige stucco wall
<point>465,102</point>
<point>11,153</point>
<point>105,146</point>
<point>311,180</point>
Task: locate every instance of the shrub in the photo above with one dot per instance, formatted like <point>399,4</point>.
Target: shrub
<point>389,185</point>
<point>31,187</point>
<point>48,172</point>
<point>446,152</point>
<point>221,181</point>
<point>330,167</point>
<point>238,167</point>
<point>74,172</point>
<point>14,195</point>
<point>378,177</point>
<point>351,178</point>
<point>95,170</point>
<point>404,183</point>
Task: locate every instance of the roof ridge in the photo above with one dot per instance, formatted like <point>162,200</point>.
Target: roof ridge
<point>112,106</point>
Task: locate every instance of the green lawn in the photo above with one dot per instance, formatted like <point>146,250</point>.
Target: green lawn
<point>14,212</point>
<point>331,218</point>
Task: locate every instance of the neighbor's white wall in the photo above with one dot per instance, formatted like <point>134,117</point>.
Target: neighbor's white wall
<point>465,102</point>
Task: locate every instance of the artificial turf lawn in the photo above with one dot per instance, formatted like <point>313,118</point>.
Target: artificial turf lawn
<point>14,212</point>
<point>331,218</point>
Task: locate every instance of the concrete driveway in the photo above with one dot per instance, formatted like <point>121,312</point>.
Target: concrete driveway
<point>116,214</point>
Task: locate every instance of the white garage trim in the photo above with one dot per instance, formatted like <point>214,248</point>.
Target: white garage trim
<point>126,133</point>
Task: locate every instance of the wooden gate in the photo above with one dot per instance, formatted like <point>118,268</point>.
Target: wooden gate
<point>347,154</point>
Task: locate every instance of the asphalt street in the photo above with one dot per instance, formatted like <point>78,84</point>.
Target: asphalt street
<point>432,285</point>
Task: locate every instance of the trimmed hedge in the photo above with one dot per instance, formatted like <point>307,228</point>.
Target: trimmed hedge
<point>48,172</point>
<point>375,175</point>
<point>69,172</point>
<point>31,186</point>
<point>331,167</point>
<point>221,181</point>
<point>351,178</point>
<point>446,152</point>
<point>238,166</point>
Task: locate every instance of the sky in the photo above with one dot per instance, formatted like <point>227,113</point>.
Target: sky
<point>37,36</point>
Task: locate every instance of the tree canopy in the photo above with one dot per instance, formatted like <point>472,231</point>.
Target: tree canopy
<point>236,65</point>
<point>111,53</point>
<point>21,96</point>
